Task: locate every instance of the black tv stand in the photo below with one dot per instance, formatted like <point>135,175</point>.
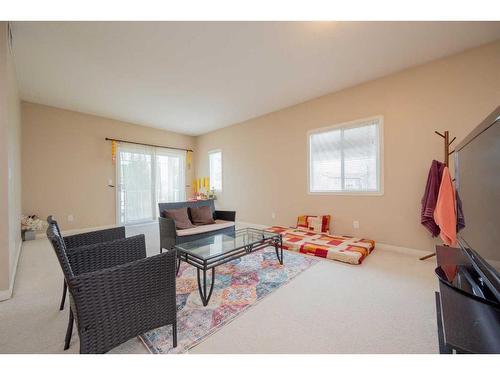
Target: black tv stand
<point>466,323</point>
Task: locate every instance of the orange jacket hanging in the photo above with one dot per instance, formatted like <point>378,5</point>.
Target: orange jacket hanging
<point>444,214</point>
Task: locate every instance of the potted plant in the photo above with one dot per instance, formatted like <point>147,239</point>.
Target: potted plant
<point>29,225</point>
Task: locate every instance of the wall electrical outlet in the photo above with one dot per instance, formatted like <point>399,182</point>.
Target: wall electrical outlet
<point>71,218</point>
<point>273,215</point>
<point>355,224</point>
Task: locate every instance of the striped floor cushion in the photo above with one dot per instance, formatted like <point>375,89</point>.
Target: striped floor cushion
<point>342,248</point>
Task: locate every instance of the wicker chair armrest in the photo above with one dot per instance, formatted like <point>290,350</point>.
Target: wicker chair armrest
<point>130,298</point>
<point>104,255</point>
<point>225,215</point>
<point>91,238</point>
<point>168,232</point>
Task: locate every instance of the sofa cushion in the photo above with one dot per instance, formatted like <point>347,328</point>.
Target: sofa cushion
<point>201,215</point>
<point>180,217</point>
<point>219,224</point>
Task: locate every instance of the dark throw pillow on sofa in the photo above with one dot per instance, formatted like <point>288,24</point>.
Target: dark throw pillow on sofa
<point>201,215</point>
<point>180,216</point>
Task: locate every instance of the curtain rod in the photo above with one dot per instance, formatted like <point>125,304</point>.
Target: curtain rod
<point>147,144</point>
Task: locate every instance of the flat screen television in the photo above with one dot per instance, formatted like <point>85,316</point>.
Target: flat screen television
<point>477,180</point>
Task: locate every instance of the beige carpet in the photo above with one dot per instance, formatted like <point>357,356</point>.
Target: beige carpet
<point>386,305</point>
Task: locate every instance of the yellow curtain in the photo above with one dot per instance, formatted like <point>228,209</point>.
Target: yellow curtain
<point>189,159</point>
<point>113,151</point>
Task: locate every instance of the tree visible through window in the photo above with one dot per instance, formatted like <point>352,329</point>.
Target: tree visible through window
<point>346,158</point>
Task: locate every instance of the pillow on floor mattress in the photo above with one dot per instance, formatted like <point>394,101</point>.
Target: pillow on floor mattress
<point>319,224</point>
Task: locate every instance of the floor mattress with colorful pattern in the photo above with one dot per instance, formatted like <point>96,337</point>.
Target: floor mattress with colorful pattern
<point>342,248</point>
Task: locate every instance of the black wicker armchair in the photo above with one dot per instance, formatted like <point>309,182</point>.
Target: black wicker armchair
<point>116,292</point>
<point>84,239</point>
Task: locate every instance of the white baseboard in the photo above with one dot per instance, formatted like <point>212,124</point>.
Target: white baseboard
<point>90,229</point>
<point>7,293</point>
<point>69,232</point>
<point>402,250</point>
<point>378,245</point>
<point>243,224</point>
<point>418,253</point>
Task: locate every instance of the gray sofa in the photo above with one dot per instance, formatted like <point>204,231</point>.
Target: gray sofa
<point>170,236</point>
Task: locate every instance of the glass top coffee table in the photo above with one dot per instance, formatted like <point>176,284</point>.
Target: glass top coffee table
<point>209,252</point>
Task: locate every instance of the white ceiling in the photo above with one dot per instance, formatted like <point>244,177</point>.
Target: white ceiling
<point>194,77</point>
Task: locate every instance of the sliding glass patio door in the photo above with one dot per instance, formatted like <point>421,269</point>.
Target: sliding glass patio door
<point>146,176</point>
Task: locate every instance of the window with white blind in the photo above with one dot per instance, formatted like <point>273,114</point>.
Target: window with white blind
<point>347,158</point>
<point>215,167</point>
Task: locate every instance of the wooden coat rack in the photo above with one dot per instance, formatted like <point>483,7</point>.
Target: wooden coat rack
<point>447,145</point>
<point>447,153</point>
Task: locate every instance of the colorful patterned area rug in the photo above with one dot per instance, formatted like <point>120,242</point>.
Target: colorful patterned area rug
<point>239,284</point>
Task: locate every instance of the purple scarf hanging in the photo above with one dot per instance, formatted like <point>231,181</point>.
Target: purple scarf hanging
<point>430,197</point>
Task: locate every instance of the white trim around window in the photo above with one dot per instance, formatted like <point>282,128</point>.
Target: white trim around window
<point>379,188</point>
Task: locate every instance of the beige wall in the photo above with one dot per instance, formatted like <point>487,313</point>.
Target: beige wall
<point>265,159</point>
<point>10,166</point>
<point>67,163</point>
